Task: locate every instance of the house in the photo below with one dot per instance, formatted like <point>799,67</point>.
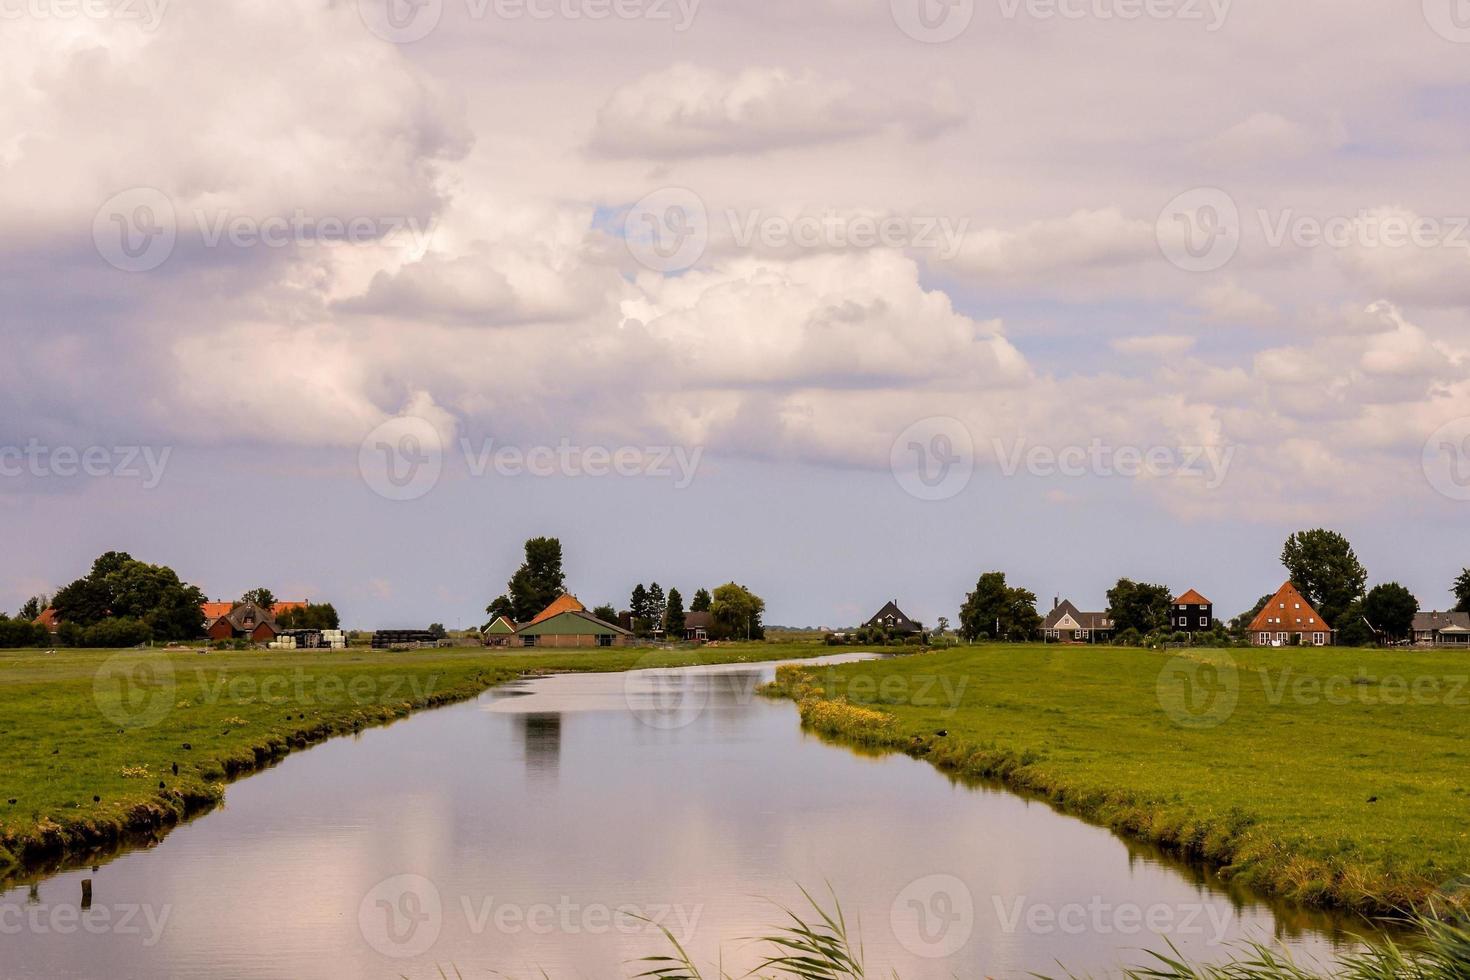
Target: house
<point>892,619</point>
<point>1288,619</point>
<point>499,632</point>
<point>213,612</point>
<point>1067,624</point>
<point>571,628</point>
<point>244,621</point>
<point>1442,629</point>
<point>1192,612</point>
<point>698,626</point>
<point>49,619</point>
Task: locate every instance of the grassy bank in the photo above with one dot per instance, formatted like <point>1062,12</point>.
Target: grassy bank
<point>1328,777</point>
<point>106,747</point>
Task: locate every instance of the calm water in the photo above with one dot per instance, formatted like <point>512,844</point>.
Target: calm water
<point>502,836</point>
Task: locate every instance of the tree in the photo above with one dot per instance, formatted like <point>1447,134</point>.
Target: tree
<point>1140,606</point>
<point>1325,570</point>
<point>735,613</point>
<point>501,606</point>
<point>606,613</point>
<point>674,614</point>
<point>639,608</point>
<point>437,631</point>
<point>120,587</point>
<point>943,625</point>
<point>312,616</point>
<point>657,603</point>
<point>998,611</point>
<point>539,580</point>
<point>1353,629</point>
<point>33,608</point>
<point>1462,592</point>
<point>1243,622</point>
<point>701,602</point>
<point>1391,609</point>
<point>262,597</point>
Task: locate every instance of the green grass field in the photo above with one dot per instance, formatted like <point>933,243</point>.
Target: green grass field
<point>1330,777</point>
<point>92,737</point>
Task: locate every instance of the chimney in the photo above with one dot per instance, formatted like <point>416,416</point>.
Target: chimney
<point>1056,601</point>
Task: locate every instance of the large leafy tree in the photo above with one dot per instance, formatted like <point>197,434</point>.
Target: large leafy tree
<point>312,616</point>
<point>607,613</point>
<point>736,613</point>
<point>1353,629</point>
<point>1243,621</point>
<point>1139,606</point>
<point>501,606</point>
<point>262,597</point>
<point>1391,609</point>
<point>674,614</point>
<point>33,608</point>
<point>120,587</point>
<point>700,602</point>
<point>1462,592</point>
<point>1326,570</point>
<point>997,610</point>
<point>539,580</point>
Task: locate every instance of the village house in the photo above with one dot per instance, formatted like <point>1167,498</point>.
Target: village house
<point>1193,612</point>
<point>244,621</point>
<point>1442,629</point>
<point>697,626</point>
<point>1067,624</point>
<point>1288,619</point>
<point>893,619</point>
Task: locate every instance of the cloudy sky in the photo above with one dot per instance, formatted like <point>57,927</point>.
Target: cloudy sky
<point>847,300</point>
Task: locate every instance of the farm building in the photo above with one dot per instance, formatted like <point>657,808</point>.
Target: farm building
<point>1193,612</point>
<point>1442,629</point>
<point>499,633</point>
<point>572,628</point>
<point>697,626</point>
<point>566,602</point>
<point>1288,619</point>
<point>893,619</point>
<point>244,621</point>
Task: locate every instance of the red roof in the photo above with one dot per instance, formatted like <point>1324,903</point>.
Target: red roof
<point>1289,612</point>
<point>214,610</point>
<point>48,619</point>
<point>1192,598</point>
<point>566,602</point>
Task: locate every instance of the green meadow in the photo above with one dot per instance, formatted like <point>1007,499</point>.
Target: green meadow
<point>1331,777</point>
<point>103,747</point>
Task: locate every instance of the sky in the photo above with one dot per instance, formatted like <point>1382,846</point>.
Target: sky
<point>845,301</point>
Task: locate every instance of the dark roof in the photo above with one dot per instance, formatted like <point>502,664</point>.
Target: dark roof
<point>1426,622</point>
<point>1084,620</point>
<point>698,620</point>
<point>249,611</point>
<point>892,617</point>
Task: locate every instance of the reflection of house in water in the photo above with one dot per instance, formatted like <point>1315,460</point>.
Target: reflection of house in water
<point>541,741</point>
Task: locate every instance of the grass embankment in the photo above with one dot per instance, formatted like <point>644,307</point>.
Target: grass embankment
<point>1328,777</point>
<point>106,747</point>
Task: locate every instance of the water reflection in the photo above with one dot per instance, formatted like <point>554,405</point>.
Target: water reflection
<point>520,832</point>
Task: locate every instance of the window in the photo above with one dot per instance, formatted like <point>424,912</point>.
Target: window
<point>604,639</point>
<point>1281,638</point>
<point>1204,620</point>
<point>1183,620</point>
<point>1311,619</point>
<point>1297,606</point>
<point>1318,640</point>
<point>529,641</point>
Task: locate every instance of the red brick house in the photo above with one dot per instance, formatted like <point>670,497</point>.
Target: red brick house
<point>244,621</point>
<point>1289,620</point>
